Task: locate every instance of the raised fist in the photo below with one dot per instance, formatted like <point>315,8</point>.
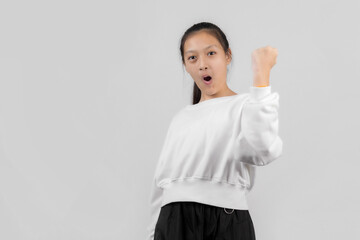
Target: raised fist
<point>264,58</point>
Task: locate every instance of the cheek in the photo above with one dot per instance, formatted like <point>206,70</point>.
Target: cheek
<point>192,71</point>
<point>220,64</point>
<point>221,68</point>
<point>192,74</point>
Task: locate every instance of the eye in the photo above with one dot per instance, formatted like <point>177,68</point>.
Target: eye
<point>212,52</point>
<point>190,57</point>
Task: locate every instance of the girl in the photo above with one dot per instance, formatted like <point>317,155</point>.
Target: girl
<point>212,147</point>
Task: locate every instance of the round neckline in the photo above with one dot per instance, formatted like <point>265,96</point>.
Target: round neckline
<point>209,101</point>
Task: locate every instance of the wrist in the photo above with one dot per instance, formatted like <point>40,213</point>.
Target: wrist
<point>261,78</point>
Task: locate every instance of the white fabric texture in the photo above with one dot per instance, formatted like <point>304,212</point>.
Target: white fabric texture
<point>212,149</point>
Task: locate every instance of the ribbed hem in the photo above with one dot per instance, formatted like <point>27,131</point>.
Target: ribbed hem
<point>207,192</point>
<point>257,93</point>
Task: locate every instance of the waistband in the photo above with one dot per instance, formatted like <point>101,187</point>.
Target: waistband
<point>213,193</point>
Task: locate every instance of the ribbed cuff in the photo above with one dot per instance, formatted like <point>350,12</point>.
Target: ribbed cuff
<point>258,93</point>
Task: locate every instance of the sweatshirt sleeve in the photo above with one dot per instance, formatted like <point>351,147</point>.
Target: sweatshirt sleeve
<point>155,198</point>
<point>259,139</point>
<point>155,207</point>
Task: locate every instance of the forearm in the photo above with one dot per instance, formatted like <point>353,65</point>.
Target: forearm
<point>259,138</point>
<point>261,78</point>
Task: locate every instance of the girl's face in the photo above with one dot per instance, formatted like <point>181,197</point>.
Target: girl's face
<point>203,55</point>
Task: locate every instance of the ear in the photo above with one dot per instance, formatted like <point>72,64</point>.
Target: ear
<point>228,56</point>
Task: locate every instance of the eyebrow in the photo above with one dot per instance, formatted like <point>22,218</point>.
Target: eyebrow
<point>213,45</point>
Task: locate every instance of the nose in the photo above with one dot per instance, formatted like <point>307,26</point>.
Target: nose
<point>202,64</point>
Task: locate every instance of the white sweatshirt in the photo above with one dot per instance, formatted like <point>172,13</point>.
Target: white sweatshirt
<point>211,150</point>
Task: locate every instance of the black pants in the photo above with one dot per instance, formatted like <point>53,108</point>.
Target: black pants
<point>198,221</point>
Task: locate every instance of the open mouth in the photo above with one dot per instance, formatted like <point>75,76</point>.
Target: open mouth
<point>207,78</point>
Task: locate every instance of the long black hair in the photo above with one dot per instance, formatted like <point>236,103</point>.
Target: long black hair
<point>215,31</point>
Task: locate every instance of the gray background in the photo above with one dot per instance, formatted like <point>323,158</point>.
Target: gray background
<point>88,88</point>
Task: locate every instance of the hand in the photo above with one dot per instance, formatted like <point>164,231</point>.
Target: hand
<point>263,59</point>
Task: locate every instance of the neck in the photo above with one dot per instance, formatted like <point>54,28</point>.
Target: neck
<point>221,93</point>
